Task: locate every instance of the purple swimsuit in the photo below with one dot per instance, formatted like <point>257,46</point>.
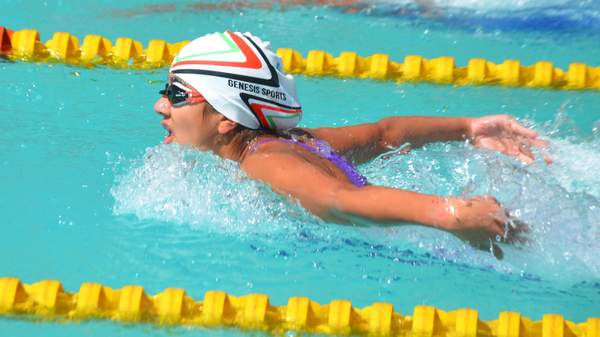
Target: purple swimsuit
<point>323,150</point>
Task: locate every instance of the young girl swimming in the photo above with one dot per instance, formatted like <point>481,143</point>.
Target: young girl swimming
<point>227,94</point>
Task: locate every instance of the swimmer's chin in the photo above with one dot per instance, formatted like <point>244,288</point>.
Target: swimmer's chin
<point>169,139</point>
<point>172,140</point>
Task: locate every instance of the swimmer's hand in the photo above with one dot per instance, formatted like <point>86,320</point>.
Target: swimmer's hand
<point>481,221</point>
<point>504,134</point>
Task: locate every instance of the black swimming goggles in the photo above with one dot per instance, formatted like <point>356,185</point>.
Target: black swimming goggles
<point>178,95</point>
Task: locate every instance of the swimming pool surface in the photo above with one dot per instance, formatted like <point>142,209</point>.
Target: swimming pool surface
<point>89,194</point>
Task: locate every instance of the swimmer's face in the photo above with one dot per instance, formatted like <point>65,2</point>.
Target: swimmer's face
<point>188,123</point>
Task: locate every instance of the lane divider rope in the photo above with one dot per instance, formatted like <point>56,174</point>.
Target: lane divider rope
<point>128,53</point>
<point>49,301</point>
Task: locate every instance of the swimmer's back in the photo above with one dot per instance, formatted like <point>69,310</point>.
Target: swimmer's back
<point>313,151</point>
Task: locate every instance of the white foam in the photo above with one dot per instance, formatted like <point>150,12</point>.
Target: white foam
<point>560,202</point>
<point>506,5</point>
<point>574,163</point>
<point>181,186</point>
<point>478,5</point>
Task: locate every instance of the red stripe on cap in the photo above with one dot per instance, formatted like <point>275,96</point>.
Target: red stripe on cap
<point>251,62</point>
<point>258,109</point>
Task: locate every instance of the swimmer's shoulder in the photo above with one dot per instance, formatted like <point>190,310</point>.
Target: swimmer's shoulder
<point>266,150</point>
<point>288,140</point>
<point>280,150</point>
<point>276,162</point>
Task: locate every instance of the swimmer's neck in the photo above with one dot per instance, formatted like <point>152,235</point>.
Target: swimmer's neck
<point>233,147</point>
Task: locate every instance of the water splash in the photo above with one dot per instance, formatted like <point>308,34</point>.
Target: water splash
<point>560,202</point>
<point>183,186</point>
<point>490,5</point>
<point>533,15</point>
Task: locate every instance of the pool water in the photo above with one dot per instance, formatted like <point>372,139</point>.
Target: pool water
<point>88,193</point>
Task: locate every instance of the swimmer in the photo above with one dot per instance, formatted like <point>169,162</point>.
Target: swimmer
<point>227,93</point>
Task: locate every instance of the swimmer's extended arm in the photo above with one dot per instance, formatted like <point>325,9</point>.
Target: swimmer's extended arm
<point>475,220</point>
<point>366,141</point>
<point>498,132</point>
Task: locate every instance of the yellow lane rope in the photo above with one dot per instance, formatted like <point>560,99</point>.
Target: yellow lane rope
<point>128,53</point>
<point>48,300</point>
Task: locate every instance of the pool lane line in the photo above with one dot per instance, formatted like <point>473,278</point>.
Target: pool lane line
<point>128,53</point>
<point>47,300</point>
<point>5,44</point>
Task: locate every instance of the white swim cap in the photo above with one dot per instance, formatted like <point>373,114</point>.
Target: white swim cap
<point>242,78</point>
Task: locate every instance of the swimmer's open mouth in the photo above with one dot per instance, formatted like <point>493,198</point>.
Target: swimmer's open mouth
<point>169,138</point>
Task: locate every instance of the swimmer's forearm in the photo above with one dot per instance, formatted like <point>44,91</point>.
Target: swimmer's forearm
<point>389,205</point>
<point>417,131</point>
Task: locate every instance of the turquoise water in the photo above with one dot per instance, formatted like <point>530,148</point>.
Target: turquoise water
<point>88,194</point>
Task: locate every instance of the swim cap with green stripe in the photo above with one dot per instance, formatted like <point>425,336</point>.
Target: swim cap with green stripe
<point>242,78</point>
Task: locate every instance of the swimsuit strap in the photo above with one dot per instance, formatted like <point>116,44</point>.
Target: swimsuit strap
<point>323,150</point>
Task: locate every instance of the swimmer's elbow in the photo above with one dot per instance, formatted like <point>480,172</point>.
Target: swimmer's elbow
<point>391,132</point>
<point>338,205</point>
<point>325,203</point>
<point>383,129</point>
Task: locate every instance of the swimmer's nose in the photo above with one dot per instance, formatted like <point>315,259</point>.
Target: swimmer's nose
<point>163,107</point>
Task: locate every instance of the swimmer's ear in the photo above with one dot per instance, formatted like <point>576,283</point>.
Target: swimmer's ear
<point>225,125</point>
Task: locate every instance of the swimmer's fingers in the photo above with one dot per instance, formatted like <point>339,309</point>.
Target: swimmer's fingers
<point>490,143</point>
<point>530,138</point>
<point>491,247</point>
<point>508,146</point>
<point>510,229</point>
<point>539,143</point>
<point>513,139</point>
<point>519,148</point>
<point>516,231</point>
<point>525,154</point>
<point>542,146</point>
<point>518,129</point>
<point>496,251</point>
<point>516,238</point>
<point>517,225</point>
<point>488,246</point>
<point>499,225</point>
<point>547,158</point>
